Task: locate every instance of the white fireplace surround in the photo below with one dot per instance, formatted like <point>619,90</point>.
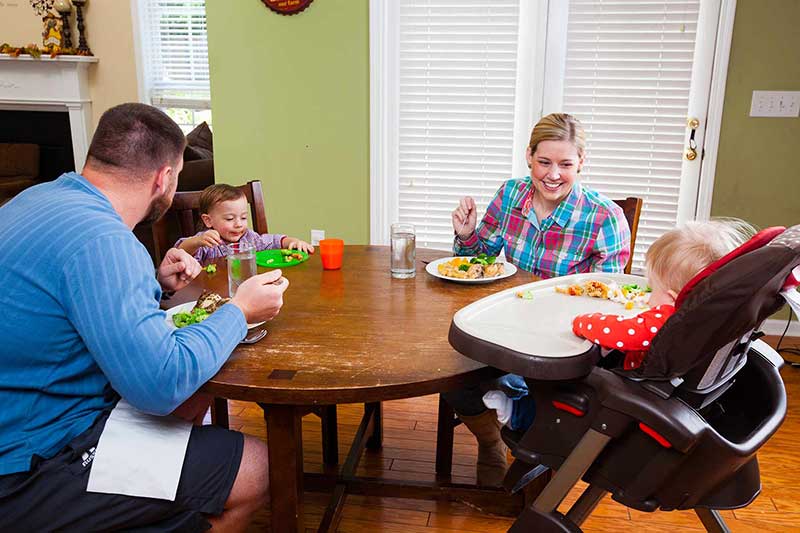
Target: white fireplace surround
<point>51,84</point>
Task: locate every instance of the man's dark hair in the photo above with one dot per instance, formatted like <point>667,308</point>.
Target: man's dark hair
<point>136,138</point>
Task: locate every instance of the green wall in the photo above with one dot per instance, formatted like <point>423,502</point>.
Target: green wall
<point>757,175</point>
<point>290,100</point>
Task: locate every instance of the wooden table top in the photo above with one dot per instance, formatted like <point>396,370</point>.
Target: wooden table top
<point>353,335</point>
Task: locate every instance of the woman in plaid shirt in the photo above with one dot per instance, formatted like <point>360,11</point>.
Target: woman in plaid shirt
<point>547,224</point>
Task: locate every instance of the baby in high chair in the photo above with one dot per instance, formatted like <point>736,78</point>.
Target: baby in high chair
<point>671,262</point>
<point>223,211</point>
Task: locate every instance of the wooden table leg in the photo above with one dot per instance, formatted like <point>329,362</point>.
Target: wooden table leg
<point>219,412</point>
<point>285,445</point>
<point>375,440</point>
<point>444,438</point>
<point>330,435</point>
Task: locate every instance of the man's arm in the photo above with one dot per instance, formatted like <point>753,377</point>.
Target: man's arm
<point>112,301</point>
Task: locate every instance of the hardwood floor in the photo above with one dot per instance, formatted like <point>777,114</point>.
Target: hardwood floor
<point>408,453</point>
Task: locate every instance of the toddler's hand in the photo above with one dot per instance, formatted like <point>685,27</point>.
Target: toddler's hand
<point>296,244</point>
<point>210,238</point>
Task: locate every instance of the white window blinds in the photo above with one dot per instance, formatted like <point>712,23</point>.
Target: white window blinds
<point>175,53</point>
<point>627,78</point>
<point>457,75</point>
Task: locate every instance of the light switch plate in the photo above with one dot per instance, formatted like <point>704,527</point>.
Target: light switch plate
<point>775,104</point>
<point>316,236</point>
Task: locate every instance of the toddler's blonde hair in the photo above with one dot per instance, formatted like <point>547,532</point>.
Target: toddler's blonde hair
<point>679,254</point>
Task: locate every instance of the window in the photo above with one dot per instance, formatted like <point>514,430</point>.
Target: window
<point>175,59</point>
<point>457,85</point>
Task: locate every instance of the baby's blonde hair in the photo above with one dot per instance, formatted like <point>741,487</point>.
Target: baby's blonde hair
<point>679,254</point>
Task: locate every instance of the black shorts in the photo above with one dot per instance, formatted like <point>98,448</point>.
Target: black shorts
<point>52,495</point>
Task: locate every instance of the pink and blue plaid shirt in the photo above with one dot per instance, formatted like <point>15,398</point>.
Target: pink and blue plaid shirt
<point>587,232</point>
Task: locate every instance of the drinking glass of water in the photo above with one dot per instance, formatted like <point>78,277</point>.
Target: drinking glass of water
<point>404,250</point>
<point>241,264</point>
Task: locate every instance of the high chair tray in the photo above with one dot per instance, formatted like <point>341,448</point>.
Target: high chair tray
<point>533,337</point>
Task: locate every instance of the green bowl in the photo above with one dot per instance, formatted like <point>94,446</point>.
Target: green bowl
<point>275,259</point>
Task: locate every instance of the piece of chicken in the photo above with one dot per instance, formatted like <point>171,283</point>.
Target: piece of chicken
<point>475,272</point>
<point>493,270</point>
<point>210,302</point>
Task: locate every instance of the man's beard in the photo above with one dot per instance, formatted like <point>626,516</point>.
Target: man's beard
<point>157,208</point>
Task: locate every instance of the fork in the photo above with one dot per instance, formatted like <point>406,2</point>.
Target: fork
<point>253,338</point>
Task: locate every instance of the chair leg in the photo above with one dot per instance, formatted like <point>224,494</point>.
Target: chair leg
<point>587,503</point>
<point>712,520</point>
<point>330,435</point>
<point>219,413</point>
<point>581,458</point>
<point>375,441</point>
<point>444,438</point>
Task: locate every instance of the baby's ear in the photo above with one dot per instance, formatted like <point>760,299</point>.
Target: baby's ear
<point>206,220</point>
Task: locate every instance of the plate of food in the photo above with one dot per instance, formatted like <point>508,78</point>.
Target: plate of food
<point>190,313</point>
<point>470,269</point>
<point>280,258</point>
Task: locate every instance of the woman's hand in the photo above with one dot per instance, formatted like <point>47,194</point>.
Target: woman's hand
<point>177,270</point>
<point>292,243</point>
<point>465,217</point>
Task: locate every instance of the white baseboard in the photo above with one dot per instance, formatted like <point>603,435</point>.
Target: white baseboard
<point>775,327</point>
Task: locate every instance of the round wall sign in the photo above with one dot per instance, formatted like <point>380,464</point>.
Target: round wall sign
<point>287,7</point>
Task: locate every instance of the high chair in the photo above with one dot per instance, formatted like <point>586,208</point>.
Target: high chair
<point>681,431</point>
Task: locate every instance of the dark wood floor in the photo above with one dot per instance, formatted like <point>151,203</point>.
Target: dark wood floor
<point>408,453</point>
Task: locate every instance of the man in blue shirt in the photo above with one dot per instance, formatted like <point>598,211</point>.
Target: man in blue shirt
<point>82,326</point>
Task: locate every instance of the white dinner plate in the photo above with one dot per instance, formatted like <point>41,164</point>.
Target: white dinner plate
<point>432,268</point>
<point>187,307</point>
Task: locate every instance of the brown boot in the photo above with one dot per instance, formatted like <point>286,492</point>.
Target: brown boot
<point>492,460</point>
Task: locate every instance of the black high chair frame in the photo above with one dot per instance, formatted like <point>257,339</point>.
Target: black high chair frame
<point>680,432</point>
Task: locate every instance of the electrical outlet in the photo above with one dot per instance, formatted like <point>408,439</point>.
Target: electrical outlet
<point>316,236</point>
<point>775,104</point>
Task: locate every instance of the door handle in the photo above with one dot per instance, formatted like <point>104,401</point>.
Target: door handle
<point>691,151</point>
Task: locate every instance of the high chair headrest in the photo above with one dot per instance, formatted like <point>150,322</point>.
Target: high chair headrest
<point>725,302</point>
<point>756,241</point>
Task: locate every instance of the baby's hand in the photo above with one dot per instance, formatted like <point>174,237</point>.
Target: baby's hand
<point>296,244</point>
<point>210,238</point>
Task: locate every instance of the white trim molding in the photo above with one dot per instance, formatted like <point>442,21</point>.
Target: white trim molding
<point>716,100</point>
<point>384,118</point>
<point>51,84</point>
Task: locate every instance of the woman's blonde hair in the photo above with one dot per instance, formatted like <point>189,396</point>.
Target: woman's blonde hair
<point>679,254</point>
<point>559,127</point>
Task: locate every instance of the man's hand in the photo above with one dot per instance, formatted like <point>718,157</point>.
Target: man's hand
<point>261,297</point>
<point>177,270</point>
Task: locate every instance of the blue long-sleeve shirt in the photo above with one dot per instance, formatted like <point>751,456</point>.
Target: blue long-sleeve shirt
<point>79,315</point>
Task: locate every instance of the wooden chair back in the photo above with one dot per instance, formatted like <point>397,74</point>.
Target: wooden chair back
<point>184,214</point>
<point>632,207</point>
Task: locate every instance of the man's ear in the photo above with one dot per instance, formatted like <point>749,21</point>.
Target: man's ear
<point>206,218</point>
<point>161,184</point>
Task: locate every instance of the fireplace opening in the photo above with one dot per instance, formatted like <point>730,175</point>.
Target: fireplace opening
<point>35,146</point>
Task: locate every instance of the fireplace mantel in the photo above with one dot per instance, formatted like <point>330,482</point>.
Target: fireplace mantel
<point>51,84</point>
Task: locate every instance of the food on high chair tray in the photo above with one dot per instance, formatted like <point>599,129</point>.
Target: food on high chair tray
<point>630,296</point>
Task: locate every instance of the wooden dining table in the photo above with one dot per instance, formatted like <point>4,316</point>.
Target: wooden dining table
<point>351,335</point>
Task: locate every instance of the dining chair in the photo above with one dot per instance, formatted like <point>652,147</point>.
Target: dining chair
<point>181,220</point>
<point>447,419</point>
<point>632,207</point>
